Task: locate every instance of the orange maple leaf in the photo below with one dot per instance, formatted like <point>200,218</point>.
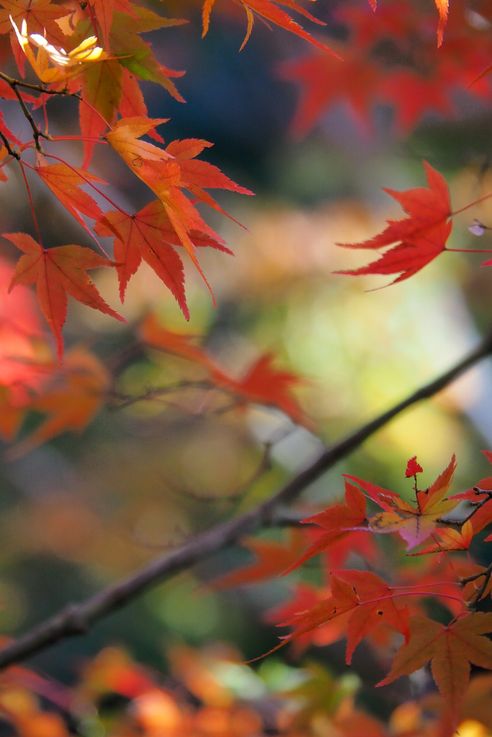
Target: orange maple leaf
<point>149,235</point>
<point>57,272</point>
<point>70,400</point>
<point>419,238</point>
<point>168,171</point>
<point>450,649</point>
<point>414,523</point>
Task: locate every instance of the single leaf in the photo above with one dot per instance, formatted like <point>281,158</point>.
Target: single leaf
<point>450,650</point>
<point>365,599</point>
<point>325,83</point>
<point>261,383</point>
<point>336,522</point>
<point>57,272</point>
<point>271,559</point>
<point>419,238</point>
<point>71,399</point>
<point>414,523</point>
<point>149,235</point>
<point>265,384</point>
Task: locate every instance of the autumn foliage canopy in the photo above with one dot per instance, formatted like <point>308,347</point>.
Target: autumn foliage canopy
<point>400,574</point>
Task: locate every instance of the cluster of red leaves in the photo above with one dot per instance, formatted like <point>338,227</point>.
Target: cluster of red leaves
<point>96,52</point>
<point>360,604</point>
<point>383,64</point>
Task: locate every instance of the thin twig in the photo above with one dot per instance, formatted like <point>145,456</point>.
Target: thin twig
<point>76,619</point>
<point>9,148</point>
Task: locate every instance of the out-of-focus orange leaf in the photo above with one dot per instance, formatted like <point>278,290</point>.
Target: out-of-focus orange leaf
<point>262,383</point>
<point>271,559</point>
<point>70,401</point>
<point>450,649</point>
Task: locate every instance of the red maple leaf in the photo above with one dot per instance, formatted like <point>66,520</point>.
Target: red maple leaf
<point>324,83</point>
<point>419,238</point>
<point>57,272</point>
<point>336,522</point>
<point>362,599</point>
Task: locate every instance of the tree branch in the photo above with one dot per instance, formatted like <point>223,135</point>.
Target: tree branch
<point>76,619</point>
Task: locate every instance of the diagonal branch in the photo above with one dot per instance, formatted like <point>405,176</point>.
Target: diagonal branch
<point>76,619</point>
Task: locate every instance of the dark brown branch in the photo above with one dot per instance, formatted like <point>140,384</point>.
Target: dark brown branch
<point>76,619</point>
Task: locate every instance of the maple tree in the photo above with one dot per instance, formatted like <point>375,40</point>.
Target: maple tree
<point>399,573</point>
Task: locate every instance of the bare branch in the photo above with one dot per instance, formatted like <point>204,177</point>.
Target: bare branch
<point>76,619</point>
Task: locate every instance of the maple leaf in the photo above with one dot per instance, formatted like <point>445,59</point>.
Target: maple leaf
<point>65,182</point>
<point>270,11</point>
<point>57,272</point>
<point>167,171</point>
<point>414,95</point>
<point>271,559</point>
<point>149,235</point>
<point>265,384</point>
<point>420,237</point>
<point>336,522</point>
<point>364,600</point>
<point>451,649</point>
<point>324,83</point>
<point>71,400</point>
<point>413,523</point>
